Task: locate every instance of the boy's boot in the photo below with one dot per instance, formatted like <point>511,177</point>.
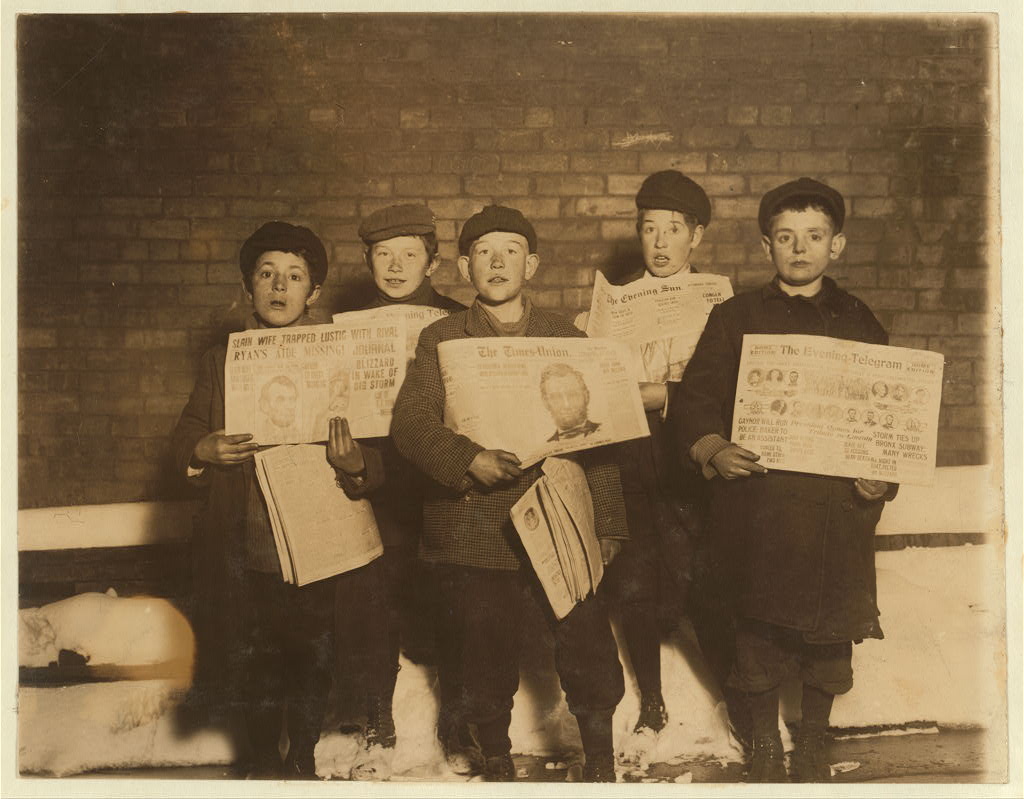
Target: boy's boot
<point>652,713</point>
<point>374,761</point>
<point>766,755</point>
<point>461,748</point>
<point>810,762</point>
<point>596,735</point>
<point>500,768</point>
<point>263,729</point>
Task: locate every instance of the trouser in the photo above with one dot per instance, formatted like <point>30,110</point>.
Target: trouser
<point>372,612</point>
<point>285,661</point>
<point>481,614</point>
<point>767,654</point>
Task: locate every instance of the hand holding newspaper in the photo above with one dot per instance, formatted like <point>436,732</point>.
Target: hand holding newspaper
<point>319,532</point>
<point>661,318</point>
<point>541,396</point>
<point>284,385</point>
<point>829,406</point>
<point>555,521</point>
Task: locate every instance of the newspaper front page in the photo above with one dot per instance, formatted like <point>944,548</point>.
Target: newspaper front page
<point>662,318</point>
<point>284,385</point>
<point>318,530</point>
<point>555,521</point>
<point>416,318</point>
<point>541,396</point>
<point>828,406</point>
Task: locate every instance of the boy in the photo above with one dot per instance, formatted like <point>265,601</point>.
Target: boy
<point>798,548</point>
<point>483,577</point>
<point>263,645</point>
<point>653,569</point>
<point>379,616</point>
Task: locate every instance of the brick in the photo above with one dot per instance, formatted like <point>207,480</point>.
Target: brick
<point>194,206</point>
<point>603,162</point>
<point>575,140</point>
<point>164,249</point>
<point>426,185</point>
<point>226,185</point>
<point>131,206</point>
<point>688,163</point>
<point>742,115</point>
<point>37,337</point>
<point>924,324</point>
<point>851,186</point>
<point>770,139</point>
<point>109,273</point>
<point>606,206</point>
<point>535,208</point>
<point>613,230</point>
<point>497,185</point>
<point>744,162</point>
<point>537,162</point>
<point>539,117</point>
<point>391,163</point>
<point>265,209</point>
<point>289,186</point>
<point>174,273</point>
<point>814,163</point>
<point>569,185</point>
<point>467,163</point>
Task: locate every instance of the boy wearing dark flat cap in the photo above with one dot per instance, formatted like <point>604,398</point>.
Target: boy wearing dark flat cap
<point>798,548</point>
<point>376,617</point>
<point>483,577</point>
<point>263,646</point>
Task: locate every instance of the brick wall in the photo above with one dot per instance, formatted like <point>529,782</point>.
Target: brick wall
<point>150,147</point>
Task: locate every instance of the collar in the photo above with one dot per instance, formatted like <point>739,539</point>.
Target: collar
<point>830,295</point>
<point>252,323</point>
<point>423,295</point>
<point>478,321</point>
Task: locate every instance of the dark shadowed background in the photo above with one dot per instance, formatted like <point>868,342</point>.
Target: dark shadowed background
<point>150,146</point>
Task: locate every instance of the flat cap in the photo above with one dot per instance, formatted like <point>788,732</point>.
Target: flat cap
<point>286,238</point>
<point>397,220</point>
<point>492,218</point>
<point>671,190</point>
<point>802,188</point>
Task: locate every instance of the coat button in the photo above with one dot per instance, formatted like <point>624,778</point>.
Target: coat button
<point>847,505</point>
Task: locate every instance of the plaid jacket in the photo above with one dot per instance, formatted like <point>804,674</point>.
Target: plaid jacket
<point>464,524</point>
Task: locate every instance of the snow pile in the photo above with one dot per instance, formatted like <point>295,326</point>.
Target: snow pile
<point>105,630</point>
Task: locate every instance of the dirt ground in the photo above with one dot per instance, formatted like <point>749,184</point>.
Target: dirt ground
<point>949,756</point>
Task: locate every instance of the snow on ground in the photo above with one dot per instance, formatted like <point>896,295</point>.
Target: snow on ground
<point>941,661</point>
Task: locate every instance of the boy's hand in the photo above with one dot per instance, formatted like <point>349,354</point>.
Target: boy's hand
<point>653,395</point>
<point>870,490</point>
<point>343,452</point>
<point>494,466</point>
<point>222,450</point>
<point>609,549</point>
<point>733,461</point>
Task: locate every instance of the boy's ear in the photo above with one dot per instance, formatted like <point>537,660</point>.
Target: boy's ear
<point>314,295</point>
<point>532,262</point>
<point>696,237</point>
<point>248,294</point>
<point>463,264</point>
<point>837,246</point>
<point>766,243</point>
<point>435,262</point>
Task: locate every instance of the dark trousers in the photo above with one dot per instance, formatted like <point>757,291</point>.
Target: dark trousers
<point>480,619</point>
<point>767,654</point>
<point>285,661</point>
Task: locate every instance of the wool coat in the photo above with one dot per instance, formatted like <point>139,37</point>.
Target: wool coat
<point>796,549</point>
<point>463,523</point>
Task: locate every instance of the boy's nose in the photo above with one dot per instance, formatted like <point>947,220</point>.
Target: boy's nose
<point>798,244</point>
<point>394,266</point>
<point>497,262</point>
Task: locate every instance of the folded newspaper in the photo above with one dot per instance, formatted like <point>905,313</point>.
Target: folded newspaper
<point>661,318</point>
<point>830,406</point>
<point>284,385</point>
<point>541,396</point>
<point>555,521</point>
<point>319,532</point>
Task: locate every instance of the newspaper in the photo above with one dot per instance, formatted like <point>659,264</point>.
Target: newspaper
<point>541,396</point>
<point>555,520</point>
<point>284,385</point>
<point>662,318</point>
<point>319,532</point>
<point>416,318</point>
<point>835,407</point>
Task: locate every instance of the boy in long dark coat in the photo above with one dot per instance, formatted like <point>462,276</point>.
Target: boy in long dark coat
<point>798,548</point>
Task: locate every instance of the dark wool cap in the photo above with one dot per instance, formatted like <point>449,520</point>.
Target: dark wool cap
<point>801,187</point>
<point>496,217</point>
<point>286,238</point>
<point>670,190</point>
<point>397,220</point>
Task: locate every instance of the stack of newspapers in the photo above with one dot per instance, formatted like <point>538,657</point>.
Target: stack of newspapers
<point>555,520</point>
<point>318,530</point>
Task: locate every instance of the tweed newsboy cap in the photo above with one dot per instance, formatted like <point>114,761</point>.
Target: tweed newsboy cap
<point>496,217</point>
<point>286,238</point>
<point>673,191</point>
<point>397,220</point>
<point>801,187</point>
